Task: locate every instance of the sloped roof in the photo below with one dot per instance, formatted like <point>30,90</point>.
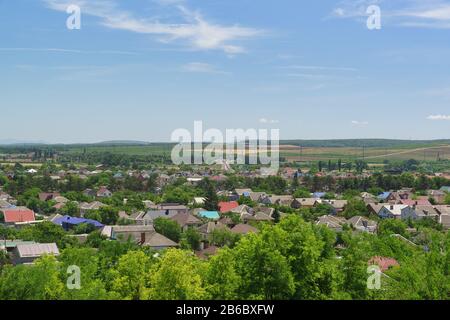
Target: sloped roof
<point>18,215</point>
<point>184,219</point>
<point>244,229</point>
<point>37,250</point>
<point>383,262</point>
<point>158,240</point>
<point>228,206</point>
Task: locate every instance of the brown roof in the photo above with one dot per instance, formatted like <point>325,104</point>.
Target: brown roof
<point>184,219</point>
<point>243,229</point>
<point>158,240</point>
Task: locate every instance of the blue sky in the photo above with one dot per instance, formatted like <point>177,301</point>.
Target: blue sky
<point>140,69</point>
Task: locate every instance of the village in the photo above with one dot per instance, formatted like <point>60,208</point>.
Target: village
<point>199,211</point>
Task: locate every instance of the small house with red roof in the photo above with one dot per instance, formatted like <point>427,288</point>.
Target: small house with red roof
<point>227,206</point>
<point>18,215</point>
<point>384,263</point>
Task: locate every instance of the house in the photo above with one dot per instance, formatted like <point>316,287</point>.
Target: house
<point>443,209</point>
<point>244,229</point>
<point>421,212</point>
<point>242,209</point>
<point>47,196</point>
<point>259,216</point>
<point>243,192</point>
<point>279,200</point>
<point>86,207</point>
<point>208,228</point>
<point>337,205</point>
<point>383,263</point>
<point>266,210</point>
<point>132,232</point>
<point>9,245</point>
<point>384,196</point>
<point>306,202</point>
<point>257,196</point>
<point>103,192</point>
<point>173,207</point>
<point>418,202</point>
<point>17,215</point>
<point>27,253</point>
<point>362,224</point>
<point>374,208</point>
<point>5,204</point>
<point>396,211</point>
<point>68,222</point>
<point>437,195</point>
<point>444,215</point>
<point>368,198</point>
<point>186,220</point>
<point>143,235</point>
<point>332,222</point>
<point>227,206</point>
<point>212,215</point>
<point>157,241</point>
<point>445,189</point>
<point>149,217</point>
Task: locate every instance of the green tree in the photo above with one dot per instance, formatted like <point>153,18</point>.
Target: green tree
<point>131,276</point>
<point>192,239</point>
<point>168,228</point>
<point>178,275</point>
<point>264,271</point>
<point>222,279</point>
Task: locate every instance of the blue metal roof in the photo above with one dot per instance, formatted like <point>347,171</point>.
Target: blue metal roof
<point>68,220</point>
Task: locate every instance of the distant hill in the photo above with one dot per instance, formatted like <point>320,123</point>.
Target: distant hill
<point>369,143</point>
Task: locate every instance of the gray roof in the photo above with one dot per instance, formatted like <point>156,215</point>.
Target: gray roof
<point>133,228</point>
<point>153,214</point>
<point>37,250</point>
<point>158,240</point>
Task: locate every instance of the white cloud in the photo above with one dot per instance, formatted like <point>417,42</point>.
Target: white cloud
<point>439,117</point>
<point>192,27</point>
<point>268,121</point>
<point>360,123</point>
<point>199,67</point>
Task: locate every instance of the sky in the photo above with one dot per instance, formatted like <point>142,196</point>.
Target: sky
<point>140,69</point>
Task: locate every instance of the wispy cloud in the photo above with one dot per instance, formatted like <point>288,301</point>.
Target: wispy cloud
<point>191,28</point>
<point>406,13</point>
<point>200,67</point>
<point>268,121</point>
<point>360,123</point>
<point>320,68</point>
<point>439,117</point>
